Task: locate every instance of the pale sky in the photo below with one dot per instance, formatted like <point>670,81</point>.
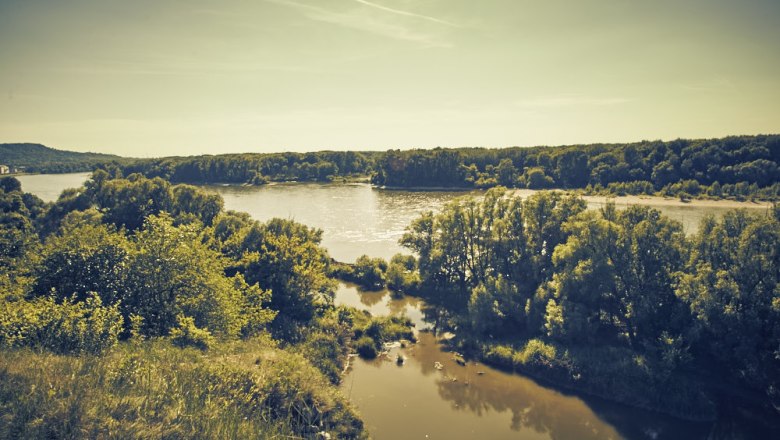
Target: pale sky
<point>181,77</point>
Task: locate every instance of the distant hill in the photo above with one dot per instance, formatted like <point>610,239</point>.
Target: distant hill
<point>40,158</point>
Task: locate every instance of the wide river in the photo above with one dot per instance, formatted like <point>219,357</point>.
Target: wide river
<point>418,400</point>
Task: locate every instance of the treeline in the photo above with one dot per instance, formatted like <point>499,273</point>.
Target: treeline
<point>322,166</point>
<point>618,303</point>
<point>36,158</point>
<point>136,290</point>
<point>733,166</point>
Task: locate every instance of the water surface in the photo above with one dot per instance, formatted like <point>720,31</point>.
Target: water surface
<point>49,186</point>
<point>420,401</point>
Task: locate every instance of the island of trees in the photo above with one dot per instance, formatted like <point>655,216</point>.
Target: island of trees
<point>615,303</point>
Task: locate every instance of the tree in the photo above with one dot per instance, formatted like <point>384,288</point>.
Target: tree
<point>614,276</point>
<point>82,259</point>
<point>174,273</point>
<point>731,287</point>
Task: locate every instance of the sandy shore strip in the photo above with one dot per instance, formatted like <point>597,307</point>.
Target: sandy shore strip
<point>672,201</point>
<point>658,201</point>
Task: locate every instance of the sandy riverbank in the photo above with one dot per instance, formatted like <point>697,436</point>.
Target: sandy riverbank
<point>670,201</point>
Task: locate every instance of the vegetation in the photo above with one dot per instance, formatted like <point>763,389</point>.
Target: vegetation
<point>322,166</point>
<point>616,303</point>
<point>36,158</point>
<point>123,280</point>
<point>739,166</point>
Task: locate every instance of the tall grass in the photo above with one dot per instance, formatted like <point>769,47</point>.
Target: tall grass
<point>154,390</point>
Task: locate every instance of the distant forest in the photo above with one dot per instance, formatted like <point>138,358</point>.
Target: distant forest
<point>37,158</point>
<point>736,167</point>
<point>740,167</point>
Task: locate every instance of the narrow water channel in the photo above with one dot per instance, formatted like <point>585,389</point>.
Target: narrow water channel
<point>431,396</point>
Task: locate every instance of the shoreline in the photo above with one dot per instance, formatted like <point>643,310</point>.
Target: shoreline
<point>676,202</point>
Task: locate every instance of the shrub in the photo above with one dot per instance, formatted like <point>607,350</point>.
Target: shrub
<point>70,327</point>
<point>366,347</point>
<point>188,335</point>
<point>535,352</point>
<point>500,355</point>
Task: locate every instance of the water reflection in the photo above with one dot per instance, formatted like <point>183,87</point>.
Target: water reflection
<point>382,303</point>
<point>432,395</point>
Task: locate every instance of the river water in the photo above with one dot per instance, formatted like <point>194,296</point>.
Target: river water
<point>418,400</point>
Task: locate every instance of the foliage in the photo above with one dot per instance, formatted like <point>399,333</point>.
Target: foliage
<point>366,347</point>
<point>542,285</point>
<point>186,334</point>
<point>744,165</point>
<point>402,274</point>
<point>155,390</point>
<point>42,159</point>
<point>731,286</point>
<point>85,326</point>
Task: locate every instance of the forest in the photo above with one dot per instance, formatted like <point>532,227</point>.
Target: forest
<point>733,167</point>
<point>738,167</point>
<point>616,303</point>
<point>37,158</point>
<point>134,308</point>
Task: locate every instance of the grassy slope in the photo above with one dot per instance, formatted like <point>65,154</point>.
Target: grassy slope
<point>152,389</point>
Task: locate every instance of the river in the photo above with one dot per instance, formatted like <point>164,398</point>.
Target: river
<point>417,400</point>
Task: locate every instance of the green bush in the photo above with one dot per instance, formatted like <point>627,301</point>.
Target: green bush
<point>188,335</point>
<point>500,355</point>
<point>69,327</point>
<point>248,390</point>
<point>366,347</point>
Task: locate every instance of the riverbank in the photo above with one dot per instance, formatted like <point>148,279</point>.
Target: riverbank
<point>611,373</point>
<point>648,200</point>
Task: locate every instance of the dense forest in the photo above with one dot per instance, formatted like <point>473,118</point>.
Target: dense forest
<point>322,166</point>
<point>134,308</point>
<point>36,158</point>
<point>737,167</point>
<point>617,303</point>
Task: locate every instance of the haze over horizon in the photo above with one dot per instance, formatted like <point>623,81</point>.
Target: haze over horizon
<point>173,77</point>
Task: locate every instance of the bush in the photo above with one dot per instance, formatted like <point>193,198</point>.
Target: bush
<point>500,355</point>
<point>70,327</point>
<point>188,335</point>
<point>370,272</point>
<point>366,347</point>
<point>535,352</point>
<point>402,275</point>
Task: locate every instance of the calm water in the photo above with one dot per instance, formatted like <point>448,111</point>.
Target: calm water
<point>49,186</point>
<point>417,400</point>
<point>358,219</point>
<point>355,218</point>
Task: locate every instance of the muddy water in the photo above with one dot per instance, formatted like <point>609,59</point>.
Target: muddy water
<point>420,400</point>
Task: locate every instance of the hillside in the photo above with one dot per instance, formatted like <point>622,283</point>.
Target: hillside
<point>40,158</point>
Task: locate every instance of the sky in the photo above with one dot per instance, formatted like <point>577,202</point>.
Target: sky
<point>148,78</point>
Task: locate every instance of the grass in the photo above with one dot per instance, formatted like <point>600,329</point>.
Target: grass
<point>153,389</point>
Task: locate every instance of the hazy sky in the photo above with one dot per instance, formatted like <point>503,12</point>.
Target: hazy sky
<point>178,77</point>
